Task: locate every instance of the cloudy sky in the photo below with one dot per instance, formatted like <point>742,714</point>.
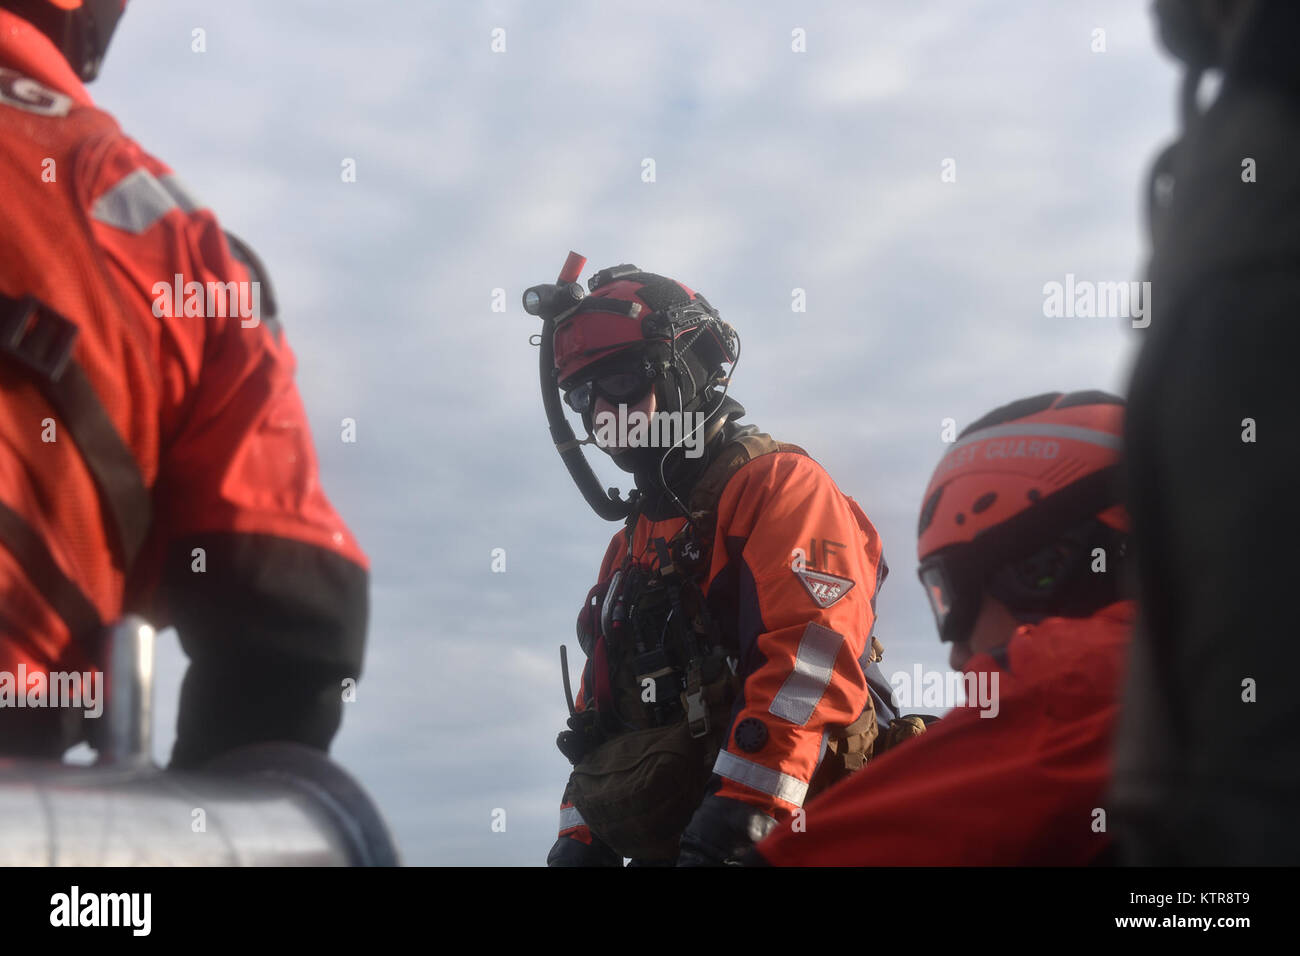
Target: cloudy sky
<point>774,169</point>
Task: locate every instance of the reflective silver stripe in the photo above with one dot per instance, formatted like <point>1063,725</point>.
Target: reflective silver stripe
<point>764,779</point>
<point>134,204</point>
<point>1070,432</point>
<point>570,818</point>
<point>176,189</point>
<point>813,666</point>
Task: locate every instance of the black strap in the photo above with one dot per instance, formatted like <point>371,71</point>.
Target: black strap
<point>41,341</point>
<point>60,593</point>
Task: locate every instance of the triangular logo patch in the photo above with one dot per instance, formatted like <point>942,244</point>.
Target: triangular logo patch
<point>824,588</point>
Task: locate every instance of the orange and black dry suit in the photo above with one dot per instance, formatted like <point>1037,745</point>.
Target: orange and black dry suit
<point>155,454</point>
<point>1025,786</point>
<point>789,576</point>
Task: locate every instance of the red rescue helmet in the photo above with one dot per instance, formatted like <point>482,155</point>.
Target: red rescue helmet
<point>631,313</point>
<point>80,29</point>
<point>1017,506</point>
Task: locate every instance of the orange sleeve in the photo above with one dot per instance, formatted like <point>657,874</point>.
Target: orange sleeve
<point>801,561</point>
<point>236,450</point>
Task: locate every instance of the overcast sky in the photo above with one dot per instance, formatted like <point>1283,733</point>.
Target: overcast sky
<point>774,170</point>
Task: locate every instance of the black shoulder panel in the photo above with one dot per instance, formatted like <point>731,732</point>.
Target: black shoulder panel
<point>257,271</point>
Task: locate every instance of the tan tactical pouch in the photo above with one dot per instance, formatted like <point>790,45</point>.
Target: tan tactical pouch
<point>637,791</point>
<point>846,752</point>
<point>900,729</point>
<point>861,741</point>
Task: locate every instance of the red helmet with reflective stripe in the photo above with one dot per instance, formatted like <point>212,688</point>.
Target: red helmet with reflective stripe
<point>1014,482</point>
<point>629,309</point>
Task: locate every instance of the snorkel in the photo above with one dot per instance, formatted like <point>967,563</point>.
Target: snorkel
<point>553,303</point>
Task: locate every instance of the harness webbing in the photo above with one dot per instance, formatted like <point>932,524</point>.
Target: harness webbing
<point>40,341</point>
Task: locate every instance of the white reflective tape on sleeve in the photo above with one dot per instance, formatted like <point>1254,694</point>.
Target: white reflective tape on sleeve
<point>570,818</point>
<point>134,204</point>
<point>760,778</point>
<point>813,666</point>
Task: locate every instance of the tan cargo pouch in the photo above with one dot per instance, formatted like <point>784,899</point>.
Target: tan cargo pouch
<point>637,791</point>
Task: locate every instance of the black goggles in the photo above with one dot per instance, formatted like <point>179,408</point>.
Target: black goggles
<point>623,387</point>
<point>954,595</point>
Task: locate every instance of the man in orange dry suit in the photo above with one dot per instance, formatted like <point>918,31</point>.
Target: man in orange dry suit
<point>729,635</point>
<point>156,457</point>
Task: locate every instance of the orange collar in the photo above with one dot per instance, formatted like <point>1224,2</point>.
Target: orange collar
<point>30,52</point>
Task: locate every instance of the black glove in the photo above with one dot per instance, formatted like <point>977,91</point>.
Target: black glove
<point>721,831</point>
<point>582,737</point>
